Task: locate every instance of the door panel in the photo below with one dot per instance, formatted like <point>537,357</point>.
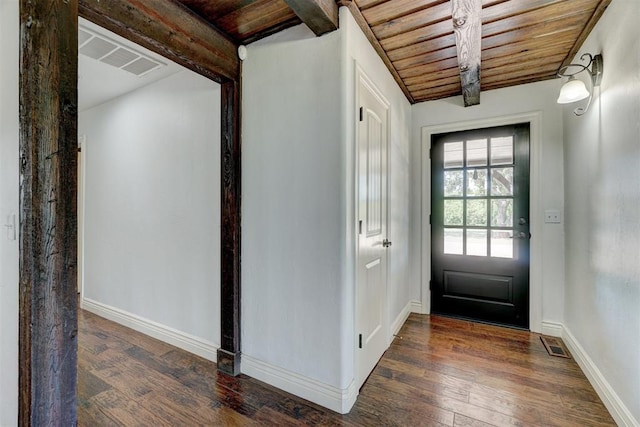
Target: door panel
<point>371,317</point>
<point>480,224</point>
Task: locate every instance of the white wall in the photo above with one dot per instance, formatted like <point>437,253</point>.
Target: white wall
<point>602,191</point>
<point>152,206</point>
<point>9,32</point>
<point>536,98</point>
<point>293,197</point>
<point>298,217</point>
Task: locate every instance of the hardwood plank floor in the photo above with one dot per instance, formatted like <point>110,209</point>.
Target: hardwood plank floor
<point>437,372</point>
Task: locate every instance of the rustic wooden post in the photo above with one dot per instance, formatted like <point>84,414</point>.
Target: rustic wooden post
<point>48,224</point>
<point>229,352</point>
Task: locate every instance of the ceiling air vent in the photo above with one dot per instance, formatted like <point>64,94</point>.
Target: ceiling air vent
<point>115,54</point>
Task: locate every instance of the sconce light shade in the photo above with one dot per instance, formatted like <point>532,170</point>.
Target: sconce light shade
<point>573,90</point>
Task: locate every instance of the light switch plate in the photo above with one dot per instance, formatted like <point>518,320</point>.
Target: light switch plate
<point>552,216</point>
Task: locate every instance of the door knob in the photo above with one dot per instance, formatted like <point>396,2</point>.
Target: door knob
<point>386,243</point>
<point>521,235</point>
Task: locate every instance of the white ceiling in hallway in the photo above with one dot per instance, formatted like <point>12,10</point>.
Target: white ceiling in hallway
<point>100,80</point>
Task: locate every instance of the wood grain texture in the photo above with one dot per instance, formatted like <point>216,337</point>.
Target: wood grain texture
<point>229,356</point>
<point>415,35</point>
<point>170,30</point>
<point>467,20</point>
<point>437,372</point>
<point>321,16</point>
<point>257,20</point>
<point>593,20</point>
<point>48,225</point>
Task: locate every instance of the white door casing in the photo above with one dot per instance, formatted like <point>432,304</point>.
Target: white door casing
<point>371,287</point>
<point>536,210</point>
<point>82,155</point>
<point>9,211</point>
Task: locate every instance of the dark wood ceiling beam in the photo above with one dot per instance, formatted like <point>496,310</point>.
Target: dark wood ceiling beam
<point>467,21</point>
<point>321,16</point>
<point>362,23</point>
<point>158,24</point>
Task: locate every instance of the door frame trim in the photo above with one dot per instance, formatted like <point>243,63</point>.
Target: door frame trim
<point>535,204</point>
<point>361,76</point>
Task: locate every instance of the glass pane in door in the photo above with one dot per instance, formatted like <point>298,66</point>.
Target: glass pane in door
<point>501,244</point>
<point>453,155</point>
<point>453,241</point>
<point>477,242</point>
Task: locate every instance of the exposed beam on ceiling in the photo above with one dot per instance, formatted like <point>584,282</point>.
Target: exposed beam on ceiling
<point>467,26</point>
<point>321,16</point>
<point>202,48</point>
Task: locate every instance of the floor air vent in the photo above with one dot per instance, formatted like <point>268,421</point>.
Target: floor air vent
<point>555,347</point>
<point>110,52</point>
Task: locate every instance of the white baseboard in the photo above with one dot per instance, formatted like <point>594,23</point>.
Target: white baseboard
<point>399,320</point>
<point>416,307</point>
<point>610,398</point>
<point>552,329</point>
<point>336,399</point>
<point>187,342</point>
<point>411,307</point>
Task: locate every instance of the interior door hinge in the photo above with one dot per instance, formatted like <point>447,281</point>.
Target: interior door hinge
<point>429,284</point>
<point>361,114</point>
<point>429,218</point>
<point>359,340</point>
<point>360,227</point>
<point>430,152</point>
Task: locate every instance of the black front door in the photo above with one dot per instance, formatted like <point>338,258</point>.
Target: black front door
<point>480,224</point>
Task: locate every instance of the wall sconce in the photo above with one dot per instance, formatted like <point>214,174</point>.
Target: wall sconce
<point>575,90</point>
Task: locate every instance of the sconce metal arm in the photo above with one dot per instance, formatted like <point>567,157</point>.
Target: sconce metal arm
<point>595,62</point>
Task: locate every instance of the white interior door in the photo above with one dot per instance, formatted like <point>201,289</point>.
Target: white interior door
<point>371,312</point>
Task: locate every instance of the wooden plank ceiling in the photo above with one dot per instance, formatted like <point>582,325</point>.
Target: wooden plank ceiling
<point>523,41</point>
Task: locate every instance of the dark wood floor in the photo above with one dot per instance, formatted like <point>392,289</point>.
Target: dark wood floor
<point>437,372</point>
